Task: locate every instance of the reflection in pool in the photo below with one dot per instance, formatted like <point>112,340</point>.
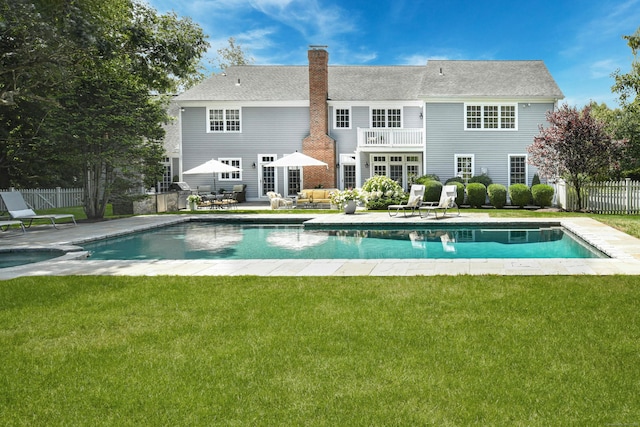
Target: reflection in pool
<point>202,240</point>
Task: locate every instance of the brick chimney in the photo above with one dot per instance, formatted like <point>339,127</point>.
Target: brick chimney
<point>319,144</point>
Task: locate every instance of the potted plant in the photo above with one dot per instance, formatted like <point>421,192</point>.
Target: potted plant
<point>193,200</point>
<point>348,199</point>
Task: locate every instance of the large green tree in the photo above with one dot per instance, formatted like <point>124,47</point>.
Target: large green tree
<point>627,120</point>
<point>97,93</point>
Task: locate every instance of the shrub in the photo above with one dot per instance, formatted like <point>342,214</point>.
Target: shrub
<point>633,174</point>
<point>497,195</point>
<point>382,191</point>
<point>454,179</point>
<point>542,194</point>
<point>483,179</point>
<point>432,191</point>
<point>476,194</point>
<point>536,180</point>
<point>429,177</point>
<point>460,191</point>
<point>520,195</point>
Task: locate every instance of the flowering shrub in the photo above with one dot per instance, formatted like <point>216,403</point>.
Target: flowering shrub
<point>382,191</point>
<point>340,198</point>
<point>194,198</point>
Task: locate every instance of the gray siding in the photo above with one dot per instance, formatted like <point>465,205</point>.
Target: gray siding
<point>446,137</point>
<point>264,131</point>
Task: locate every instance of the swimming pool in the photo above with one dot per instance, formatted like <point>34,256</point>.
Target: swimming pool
<point>12,258</point>
<point>203,240</point>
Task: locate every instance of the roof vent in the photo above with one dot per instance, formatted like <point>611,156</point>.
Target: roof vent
<point>238,83</point>
<point>441,73</point>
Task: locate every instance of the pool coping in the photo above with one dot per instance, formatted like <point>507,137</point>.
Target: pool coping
<point>623,250</point>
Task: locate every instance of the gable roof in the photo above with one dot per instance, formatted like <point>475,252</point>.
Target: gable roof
<point>514,79</point>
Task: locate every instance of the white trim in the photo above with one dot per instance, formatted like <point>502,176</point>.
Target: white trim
<point>224,118</point>
<point>225,104</point>
<point>335,117</point>
<point>230,160</point>
<point>490,100</point>
<point>482,106</point>
<point>455,163</point>
<point>386,109</point>
<point>526,168</point>
<point>259,165</point>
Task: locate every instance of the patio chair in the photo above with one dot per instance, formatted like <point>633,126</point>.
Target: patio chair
<point>18,210</point>
<point>447,201</point>
<point>277,201</point>
<point>415,199</point>
<point>5,224</point>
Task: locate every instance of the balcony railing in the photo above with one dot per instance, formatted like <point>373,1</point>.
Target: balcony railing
<point>390,137</point>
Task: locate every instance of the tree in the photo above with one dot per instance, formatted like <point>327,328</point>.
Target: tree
<point>575,146</point>
<point>103,100</point>
<point>623,125</point>
<point>627,121</point>
<point>628,85</point>
<point>232,55</point>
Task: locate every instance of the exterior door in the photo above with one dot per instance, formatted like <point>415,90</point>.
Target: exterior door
<point>267,176</point>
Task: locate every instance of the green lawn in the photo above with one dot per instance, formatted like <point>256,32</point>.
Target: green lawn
<point>333,351</point>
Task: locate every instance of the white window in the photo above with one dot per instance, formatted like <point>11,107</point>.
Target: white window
<point>231,176</point>
<point>386,118</point>
<point>490,116</point>
<point>518,169</point>
<point>224,120</point>
<point>342,119</point>
<point>464,166</point>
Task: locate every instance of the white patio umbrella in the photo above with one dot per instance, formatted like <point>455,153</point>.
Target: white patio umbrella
<point>296,159</point>
<point>212,167</point>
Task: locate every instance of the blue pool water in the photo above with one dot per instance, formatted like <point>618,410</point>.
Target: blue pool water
<point>202,240</point>
<point>20,257</point>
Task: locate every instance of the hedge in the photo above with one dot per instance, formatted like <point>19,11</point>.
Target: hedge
<point>497,195</point>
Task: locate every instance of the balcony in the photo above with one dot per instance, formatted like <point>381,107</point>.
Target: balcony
<point>390,138</point>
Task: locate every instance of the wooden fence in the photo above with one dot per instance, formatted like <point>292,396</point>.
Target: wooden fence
<point>43,198</point>
<point>611,197</point>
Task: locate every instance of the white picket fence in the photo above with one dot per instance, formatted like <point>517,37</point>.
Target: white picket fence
<point>47,198</point>
<point>611,197</point>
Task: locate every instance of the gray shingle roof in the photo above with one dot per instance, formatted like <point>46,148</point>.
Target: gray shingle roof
<point>489,78</point>
<point>381,83</point>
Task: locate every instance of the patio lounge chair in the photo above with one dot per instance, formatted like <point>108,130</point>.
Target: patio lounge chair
<point>18,210</point>
<point>5,224</point>
<point>415,199</point>
<point>447,201</point>
<point>277,201</point>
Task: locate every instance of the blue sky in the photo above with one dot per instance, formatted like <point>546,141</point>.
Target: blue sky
<point>579,41</point>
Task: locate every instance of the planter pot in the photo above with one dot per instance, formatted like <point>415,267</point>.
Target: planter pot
<point>350,207</point>
<point>193,206</point>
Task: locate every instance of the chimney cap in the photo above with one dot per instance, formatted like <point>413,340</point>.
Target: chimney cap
<point>317,47</point>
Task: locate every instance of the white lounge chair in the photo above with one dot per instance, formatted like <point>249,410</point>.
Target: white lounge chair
<point>18,210</point>
<point>5,224</point>
<point>447,201</point>
<point>415,199</point>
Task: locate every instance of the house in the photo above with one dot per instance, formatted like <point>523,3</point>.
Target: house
<point>448,118</point>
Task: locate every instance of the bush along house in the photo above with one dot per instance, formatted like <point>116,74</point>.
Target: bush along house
<point>447,118</point>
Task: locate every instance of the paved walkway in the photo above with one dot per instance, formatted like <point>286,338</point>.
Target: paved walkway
<point>624,251</point>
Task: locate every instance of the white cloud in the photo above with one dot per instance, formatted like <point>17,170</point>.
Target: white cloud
<point>318,23</point>
<point>602,68</point>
